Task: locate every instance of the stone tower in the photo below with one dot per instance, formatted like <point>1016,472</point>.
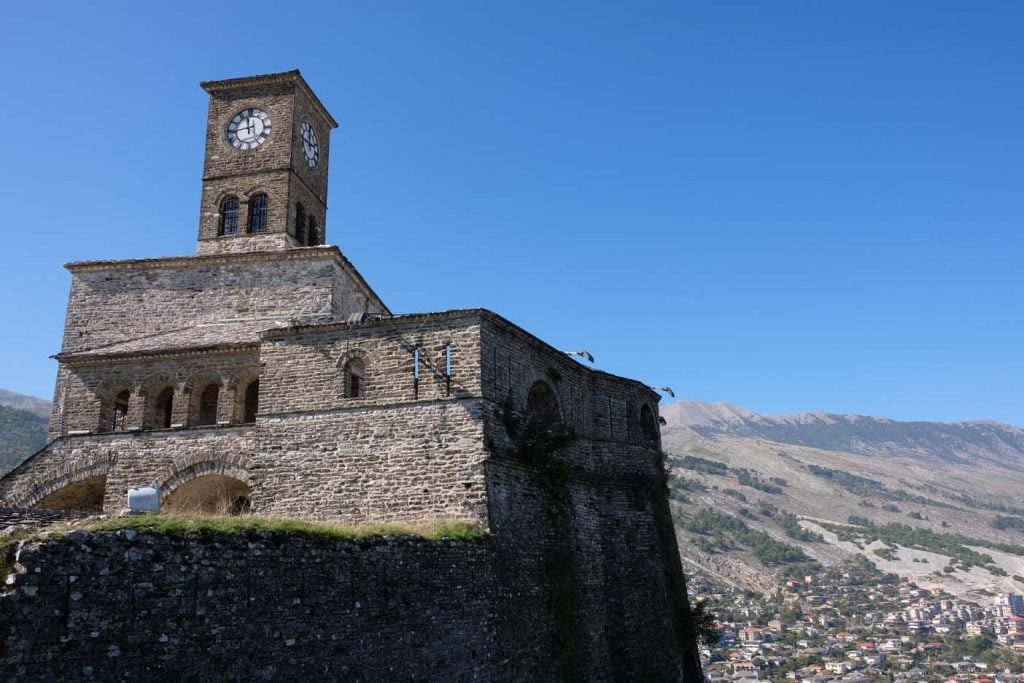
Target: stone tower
<point>265,165</point>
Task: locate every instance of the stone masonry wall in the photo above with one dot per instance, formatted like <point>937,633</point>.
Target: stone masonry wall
<point>88,387</point>
<point>401,451</point>
<point>251,606</point>
<point>120,301</point>
<point>303,366</point>
<point>227,170</point>
<point>131,459</point>
<point>581,541</point>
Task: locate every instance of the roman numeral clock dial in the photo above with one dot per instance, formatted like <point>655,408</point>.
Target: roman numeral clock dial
<point>310,145</point>
<point>249,129</point>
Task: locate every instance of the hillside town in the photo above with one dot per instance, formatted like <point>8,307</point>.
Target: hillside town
<point>853,624</point>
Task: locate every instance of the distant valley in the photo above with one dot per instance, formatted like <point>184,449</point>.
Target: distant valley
<point>755,494</point>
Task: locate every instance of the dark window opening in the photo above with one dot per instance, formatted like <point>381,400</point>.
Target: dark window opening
<point>355,378</point>
<point>300,225</point>
<point>163,408</point>
<point>252,402</point>
<point>229,216</point>
<point>648,425</point>
<point>121,411</point>
<point>208,405</point>
<point>541,403</point>
<point>258,214</point>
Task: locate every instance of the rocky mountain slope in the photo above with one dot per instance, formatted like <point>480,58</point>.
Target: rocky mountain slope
<point>31,404</point>
<point>23,422</point>
<point>916,498</point>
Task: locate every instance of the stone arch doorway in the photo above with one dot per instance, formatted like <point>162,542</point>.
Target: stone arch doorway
<point>85,495</point>
<point>208,494</point>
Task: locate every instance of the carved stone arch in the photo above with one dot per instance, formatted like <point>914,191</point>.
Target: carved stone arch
<point>543,401</point>
<point>243,389</point>
<point>113,406</point>
<point>114,383</point>
<point>226,194</point>
<point>200,380</point>
<point>241,377</point>
<point>84,480</point>
<point>353,372</point>
<point>246,194</point>
<point>202,401</point>
<point>157,393</point>
<point>648,422</point>
<point>207,486</point>
<point>158,381</point>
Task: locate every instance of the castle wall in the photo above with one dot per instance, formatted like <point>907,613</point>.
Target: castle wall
<point>302,367</point>
<point>421,461</point>
<point>250,606</point>
<point>595,404</point>
<point>401,451</point>
<point>112,302</point>
<point>582,543</point>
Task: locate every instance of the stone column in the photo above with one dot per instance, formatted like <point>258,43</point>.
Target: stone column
<point>226,403</point>
<point>136,411</point>
<point>179,408</point>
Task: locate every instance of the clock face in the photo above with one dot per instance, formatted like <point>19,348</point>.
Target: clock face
<point>249,129</point>
<point>310,145</point>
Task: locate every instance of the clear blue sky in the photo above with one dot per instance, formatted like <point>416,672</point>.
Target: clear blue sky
<point>787,205</point>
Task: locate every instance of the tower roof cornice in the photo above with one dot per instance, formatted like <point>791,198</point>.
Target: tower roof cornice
<point>292,77</point>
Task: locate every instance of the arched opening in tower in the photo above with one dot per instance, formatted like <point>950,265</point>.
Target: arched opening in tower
<point>85,495</point>
<point>210,494</point>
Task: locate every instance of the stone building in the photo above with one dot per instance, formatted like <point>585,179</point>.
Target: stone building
<point>265,374</point>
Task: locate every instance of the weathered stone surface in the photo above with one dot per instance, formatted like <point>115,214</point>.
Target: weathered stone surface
<point>250,606</point>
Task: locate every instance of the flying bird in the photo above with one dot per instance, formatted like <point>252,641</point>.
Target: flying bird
<point>666,390</point>
<point>582,354</point>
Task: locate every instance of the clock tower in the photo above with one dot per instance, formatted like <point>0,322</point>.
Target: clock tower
<point>265,168</point>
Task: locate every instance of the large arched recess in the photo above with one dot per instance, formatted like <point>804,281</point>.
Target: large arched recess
<point>85,495</point>
<point>207,488</point>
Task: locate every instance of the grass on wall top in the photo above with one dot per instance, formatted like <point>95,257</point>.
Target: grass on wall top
<point>175,525</point>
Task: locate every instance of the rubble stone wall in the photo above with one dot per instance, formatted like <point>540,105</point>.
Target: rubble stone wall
<point>249,606</point>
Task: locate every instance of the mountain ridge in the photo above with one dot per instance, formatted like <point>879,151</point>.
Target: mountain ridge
<point>32,404</point>
<point>946,485</point>
<point>966,442</point>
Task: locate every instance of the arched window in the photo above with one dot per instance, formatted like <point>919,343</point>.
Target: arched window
<point>354,377</point>
<point>542,404</point>
<point>207,414</point>
<point>252,402</point>
<point>228,216</point>
<point>315,238</point>
<point>300,224</point>
<point>648,425</point>
<point>162,408</point>
<point>121,411</point>
<point>258,214</point>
